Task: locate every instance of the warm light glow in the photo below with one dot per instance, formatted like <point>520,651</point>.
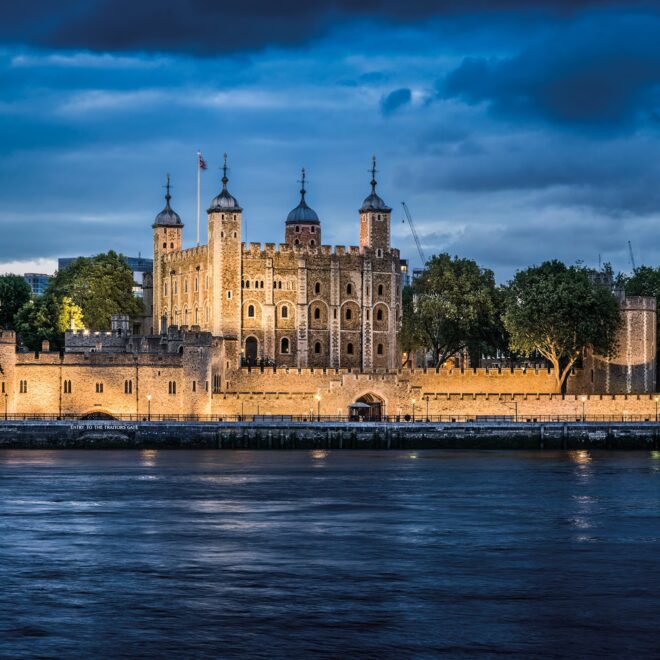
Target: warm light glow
<point>148,397</point>
<point>317,397</point>
<point>584,398</point>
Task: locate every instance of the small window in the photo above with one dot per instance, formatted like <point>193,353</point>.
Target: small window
<point>312,243</point>
<point>317,288</point>
<point>317,313</point>
<point>313,229</point>
<point>194,386</point>
<point>67,387</point>
<point>23,387</point>
<point>228,295</point>
<point>171,388</point>
<point>185,286</point>
<point>380,289</point>
<point>379,349</point>
<point>349,314</point>
<point>297,229</point>
<point>165,288</point>
<point>99,388</point>
<point>284,345</point>
<point>197,284</point>
<point>165,245</point>
<point>285,313</point>
<point>349,289</point>
<point>251,311</point>
<point>176,287</point>
<point>379,315</point>
<point>2,389</point>
<point>128,387</point>
<point>379,253</point>
<point>334,313</point>
<point>317,347</point>
<point>349,349</point>
<point>247,284</point>
<point>296,242</point>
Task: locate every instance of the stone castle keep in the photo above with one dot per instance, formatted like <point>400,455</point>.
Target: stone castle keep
<point>296,329</point>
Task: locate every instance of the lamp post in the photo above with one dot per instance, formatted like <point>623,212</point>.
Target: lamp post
<point>656,408</point>
<point>427,408</point>
<point>584,399</point>
<point>149,407</point>
<point>317,396</point>
<point>414,401</point>
<point>7,396</point>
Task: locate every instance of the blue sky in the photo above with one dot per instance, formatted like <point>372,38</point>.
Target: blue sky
<point>515,132</point>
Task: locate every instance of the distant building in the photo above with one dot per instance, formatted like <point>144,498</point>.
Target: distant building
<point>38,282</point>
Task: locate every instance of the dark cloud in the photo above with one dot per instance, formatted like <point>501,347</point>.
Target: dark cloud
<point>395,100</point>
<point>209,26</point>
<point>602,73</point>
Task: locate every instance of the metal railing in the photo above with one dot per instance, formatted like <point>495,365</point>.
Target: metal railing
<point>330,419</point>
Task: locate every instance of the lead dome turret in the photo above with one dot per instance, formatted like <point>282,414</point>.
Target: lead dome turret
<point>303,227</point>
<point>168,217</point>
<point>224,201</point>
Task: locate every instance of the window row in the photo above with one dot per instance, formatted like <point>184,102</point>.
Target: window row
<point>175,286</point>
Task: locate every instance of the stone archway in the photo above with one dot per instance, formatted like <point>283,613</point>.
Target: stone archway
<point>368,408</point>
<point>98,414</point>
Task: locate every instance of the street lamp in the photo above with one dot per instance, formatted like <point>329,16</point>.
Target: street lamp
<point>317,396</point>
<point>656,407</point>
<point>584,398</point>
<point>414,401</point>
<point>149,407</point>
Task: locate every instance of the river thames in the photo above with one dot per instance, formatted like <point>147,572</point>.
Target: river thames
<point>336,554</point>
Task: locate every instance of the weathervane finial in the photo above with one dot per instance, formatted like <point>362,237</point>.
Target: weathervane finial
<point>302,185</point>
<point>224,172</point>
<point>373,171</point>
<point>168,197</point>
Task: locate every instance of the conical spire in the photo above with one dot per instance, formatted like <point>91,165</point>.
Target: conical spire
<point>373,175</point>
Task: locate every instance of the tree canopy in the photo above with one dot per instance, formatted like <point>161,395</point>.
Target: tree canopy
<point>559,311</point>
<point>86,294</point>
<point>451,306</point>
<point>14,293</point>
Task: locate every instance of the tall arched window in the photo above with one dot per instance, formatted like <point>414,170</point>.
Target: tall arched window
<point>317,288</point>
<point>349,314</point>
<point>284,345</point>
<point>379,349</point>
<point>317,347</point>
<point>380,289</point>
<point>379,315</point>
<point>285,312</point>
<point>349,289</point>
<point>317,313</point>
<point>251,311</point>
<point>349,348</point>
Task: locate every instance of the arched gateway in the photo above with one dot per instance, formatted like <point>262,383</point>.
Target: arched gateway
<point>368,408</point>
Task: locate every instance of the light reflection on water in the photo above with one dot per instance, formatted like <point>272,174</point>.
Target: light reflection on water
<point>343,554</point>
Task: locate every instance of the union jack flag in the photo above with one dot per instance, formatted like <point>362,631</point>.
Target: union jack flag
<point>201,162</point>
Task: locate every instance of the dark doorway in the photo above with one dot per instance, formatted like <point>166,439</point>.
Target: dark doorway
<point>368,408</point>
<point>251,351</point>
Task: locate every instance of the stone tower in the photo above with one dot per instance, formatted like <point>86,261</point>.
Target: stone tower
<point>224,254</point>
<point>7,370</point>
<point>375,220</point>
<point>168,230</point>
<point>303,227</point>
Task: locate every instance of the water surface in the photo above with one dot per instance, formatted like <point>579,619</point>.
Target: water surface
<point>337,554</point>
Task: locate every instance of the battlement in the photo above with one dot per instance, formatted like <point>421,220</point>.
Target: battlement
<point>254,249</point>
<point>198,252</point>
<point>7,336</point>
<point>638,304</point>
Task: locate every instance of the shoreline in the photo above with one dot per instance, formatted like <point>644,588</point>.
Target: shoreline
<point>282,436</point>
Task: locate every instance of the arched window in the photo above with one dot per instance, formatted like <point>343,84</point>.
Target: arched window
<point>247,284</point>
<point>312,243</point>
<point>172,387</point>
<point>349,348</point>
<point>196,316</point>
<point>196,283</point>
<point>185,286</point>
<point>165,288</point>
<point>128,387</point>
<point>379,315</point>
<point>297,229</point>
<point>349,314</point>
<point>296,242</point>
<point>251,311</point>
<point>165,245</point>
<point>317,347</point>
<point>379,349</point>
<point>285,313</point>
<point>349,289</point>
<point>380,289</point>
<point>379,253</point>
<point>317,313</point>
<point>172,246</point>
<point>317,288</point>
<point>284,345</point>
<point>67,387</point>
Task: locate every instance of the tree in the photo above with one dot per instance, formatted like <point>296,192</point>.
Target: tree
<point>452,306</point>
<point>558,311</point>
<point>14,293</point>
<point>101,286</point>
<point>47,318</point>
<point>645,281</point>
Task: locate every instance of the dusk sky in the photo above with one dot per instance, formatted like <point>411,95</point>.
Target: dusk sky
<point>515,131</point>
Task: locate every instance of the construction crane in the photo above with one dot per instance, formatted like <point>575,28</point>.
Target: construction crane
<point>414,233</point>
<point>632,256</point>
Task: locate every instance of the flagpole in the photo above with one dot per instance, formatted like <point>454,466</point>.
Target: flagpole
<point>199,153</point>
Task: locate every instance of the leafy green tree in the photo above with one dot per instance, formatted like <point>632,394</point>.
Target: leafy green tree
<point>47,318</point>
<point>101,286</point>
<point>645,281</point>
<point>452,306</point>
<point>558,311</point>
<point>14,293</point>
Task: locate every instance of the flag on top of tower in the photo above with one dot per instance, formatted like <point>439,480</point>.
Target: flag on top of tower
<point>201,162</point>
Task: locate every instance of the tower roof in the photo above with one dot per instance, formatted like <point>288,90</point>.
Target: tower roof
<point>302,213</point>
<point>224,201</point>
<point>168,217</point>
<point>373,202</point>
